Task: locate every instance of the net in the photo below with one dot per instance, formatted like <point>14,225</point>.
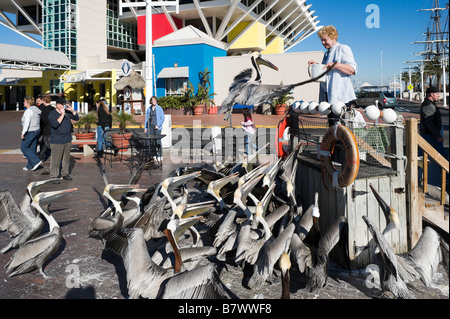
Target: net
<point>373,141</point>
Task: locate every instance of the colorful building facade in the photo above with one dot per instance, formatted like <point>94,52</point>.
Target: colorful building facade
<point>96,40</point>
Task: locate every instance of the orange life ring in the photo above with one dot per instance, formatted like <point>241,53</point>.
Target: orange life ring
<point>344,178</point>
<point>282,125</point>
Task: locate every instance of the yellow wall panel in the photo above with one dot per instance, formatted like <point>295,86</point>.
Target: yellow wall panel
<point>274,46</point>
<point>253,39</point>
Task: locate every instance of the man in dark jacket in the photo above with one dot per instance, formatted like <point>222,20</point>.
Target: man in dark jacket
<point>46,108</point>
<point>432,131</point>
<point>61,138</point>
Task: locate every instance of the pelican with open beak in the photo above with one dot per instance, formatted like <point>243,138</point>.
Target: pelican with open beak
<point>392,219</point>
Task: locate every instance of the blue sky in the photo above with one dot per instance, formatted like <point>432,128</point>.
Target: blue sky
<point>400,24</point>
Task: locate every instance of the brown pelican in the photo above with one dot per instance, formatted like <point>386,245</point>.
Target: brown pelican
<point>171,183</point>
<point>257,239</point>
<point>285,265</point>
<point>392,219</point>
<point>240,199</point>
<point>35,252</point>
<point>318,273</point>
<point>112,219</point>
<point>131,215</point>
<point>421,262</point>
<point>20,220</point>
<point>148,280</point>
<point>269,254</point>
<point>246,92</point>
<point>214,188</point>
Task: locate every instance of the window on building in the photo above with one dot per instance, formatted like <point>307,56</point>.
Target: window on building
<point>176,86</point>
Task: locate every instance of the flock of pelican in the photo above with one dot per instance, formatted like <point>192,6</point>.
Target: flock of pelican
<point>171,236</point>
<point>249,210</point>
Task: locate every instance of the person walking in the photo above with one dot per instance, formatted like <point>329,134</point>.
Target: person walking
<point>46,108</point>
<point>154,120</point>
<point>61,138</point>
<point>104,123</point>
<point>432,131</point>
<point>338,84</point>
<point>249,129</point>
<point>30,133</point>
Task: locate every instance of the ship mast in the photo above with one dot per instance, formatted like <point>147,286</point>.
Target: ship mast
<point>436,43</point>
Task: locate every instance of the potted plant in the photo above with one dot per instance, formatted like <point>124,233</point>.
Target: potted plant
<point>84,125</point>
<point>281,103</point>
<point>203,97</point>
<point>121,139</point>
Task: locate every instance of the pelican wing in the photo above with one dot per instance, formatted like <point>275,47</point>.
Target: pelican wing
<point>426,255</point>
<point>388,254</point>
<point>200,283</point>
<point>243,77</point>
<point>269,254</point>
<point>143,275</point>
<point>153,218</point>
<point>33,248</point>
<point>330,238</point>
<point>301,253</point>
<point>12,218</point>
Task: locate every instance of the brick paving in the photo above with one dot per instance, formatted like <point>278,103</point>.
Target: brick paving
<point>101,274</point>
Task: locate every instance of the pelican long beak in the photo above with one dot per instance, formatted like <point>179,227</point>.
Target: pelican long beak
<point>183,225</point>
<point>193,210</point>
<point>260,60</point>
<point>46,198</point>
<point>34,187</point>
<point>114,189</point>
<point>384,206</point>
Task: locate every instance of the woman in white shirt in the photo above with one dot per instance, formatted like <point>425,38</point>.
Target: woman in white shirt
<point>30,133</point>
<point>338,85</point>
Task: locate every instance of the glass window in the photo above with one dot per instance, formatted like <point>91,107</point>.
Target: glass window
<point>176,86</point>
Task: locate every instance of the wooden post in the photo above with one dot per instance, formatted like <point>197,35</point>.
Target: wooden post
<point>412,184</point>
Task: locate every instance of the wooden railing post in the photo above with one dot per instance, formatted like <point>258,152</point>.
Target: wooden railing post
<point>412,184</point>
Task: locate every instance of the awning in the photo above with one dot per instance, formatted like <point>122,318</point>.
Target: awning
<point>180,72</point>
<point>14,56</point>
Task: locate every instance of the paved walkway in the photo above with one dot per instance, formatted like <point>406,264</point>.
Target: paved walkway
<point>80,260</point>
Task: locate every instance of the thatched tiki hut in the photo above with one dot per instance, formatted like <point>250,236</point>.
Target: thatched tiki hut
<point>132,87</point>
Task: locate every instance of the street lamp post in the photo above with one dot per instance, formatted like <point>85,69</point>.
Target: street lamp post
<point>148,4</point>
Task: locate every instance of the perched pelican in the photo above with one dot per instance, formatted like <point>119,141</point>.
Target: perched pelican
<point>148,280</point>
<point>20,221</point>
<point>392,219</point>
<point>421,262</point>
<point>318,274</point>
<point>35,252</point>
<point>246,92</point>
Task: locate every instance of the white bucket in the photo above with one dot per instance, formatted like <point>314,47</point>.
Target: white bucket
<point>315,70</point>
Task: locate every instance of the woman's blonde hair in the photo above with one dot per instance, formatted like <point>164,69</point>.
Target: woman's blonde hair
<point>29,99</point>
<point>330,31</point>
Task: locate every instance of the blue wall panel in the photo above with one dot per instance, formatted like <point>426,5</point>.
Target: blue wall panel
<point>196,56</point>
